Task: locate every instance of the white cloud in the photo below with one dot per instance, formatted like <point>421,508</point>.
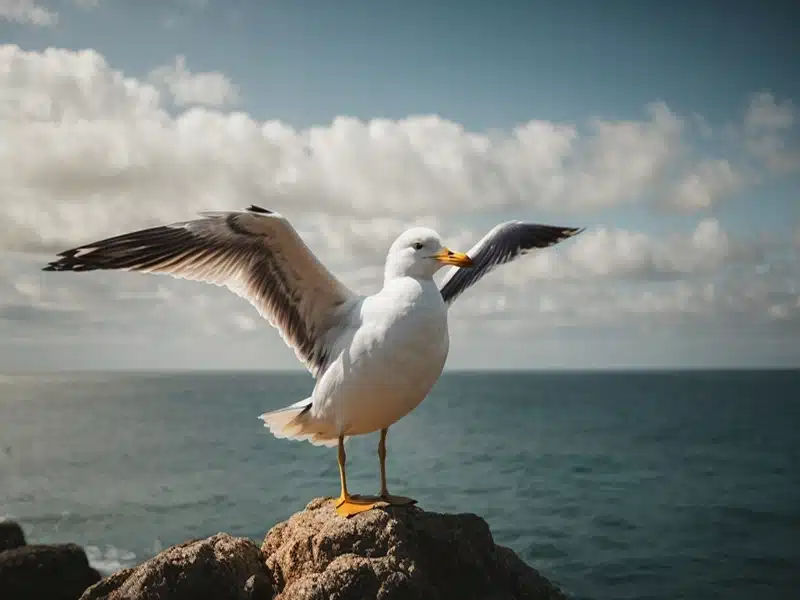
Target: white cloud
<point>617,253</point>
<point>86,151</point>
<point>708,182</point>
<point>41,92</point>
<point>767,125</point>
<point>102,309</point>
<point>91,150</point>
<point>630,280</point>
<point>27,12</point>
<point>199,89</point>
<point>765,114</point>
<point>622,159</point>
<point>704,302</point>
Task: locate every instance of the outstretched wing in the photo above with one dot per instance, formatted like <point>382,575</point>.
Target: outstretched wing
<point>255,253</point>
<point>501,245</point>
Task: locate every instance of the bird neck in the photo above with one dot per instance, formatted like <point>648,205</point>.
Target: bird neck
<point>401,266</point>
<point>394,272</point>
<point>408,287</point>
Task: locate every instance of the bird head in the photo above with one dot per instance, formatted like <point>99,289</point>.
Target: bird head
<point>419,252</point>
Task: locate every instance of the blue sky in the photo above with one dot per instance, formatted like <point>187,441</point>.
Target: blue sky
<point>481,64</point>
<point>672,129</point>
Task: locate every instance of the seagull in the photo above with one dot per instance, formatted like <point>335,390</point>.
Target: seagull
<point>374,357</point>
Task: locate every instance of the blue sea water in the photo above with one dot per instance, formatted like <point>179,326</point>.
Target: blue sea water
<point>613,485</point>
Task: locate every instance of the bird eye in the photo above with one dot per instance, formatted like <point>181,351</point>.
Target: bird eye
<point>417,245</point>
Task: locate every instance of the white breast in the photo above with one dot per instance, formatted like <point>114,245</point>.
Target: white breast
<point>391,361</point>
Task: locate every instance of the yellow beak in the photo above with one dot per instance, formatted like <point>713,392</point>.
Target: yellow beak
<point>457,259</point>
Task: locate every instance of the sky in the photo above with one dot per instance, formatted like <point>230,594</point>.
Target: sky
<point>670,131</point>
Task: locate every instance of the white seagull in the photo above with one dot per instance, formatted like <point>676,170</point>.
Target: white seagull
<point>374,358</point>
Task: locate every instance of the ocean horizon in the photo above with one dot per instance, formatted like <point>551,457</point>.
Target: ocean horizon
<point>616,483</point>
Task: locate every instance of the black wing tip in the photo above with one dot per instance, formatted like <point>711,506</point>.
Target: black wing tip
<point>259,210</point>
<point>67,261</point>
<point>68,265</point>
<point>70,261</point>
<point>64,263</point>
<point>58,265</point>
<point>573,231</point>
<point>565,233</point>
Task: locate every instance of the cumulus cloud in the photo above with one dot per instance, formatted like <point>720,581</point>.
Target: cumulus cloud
<point>633,255</point>
<point>42,91</point>
<point>87,151</point>
<point>768,124</point>
<point>94,150</point>
<point>705,301</point>
<point>700,188</point>
<point>622,159</point>
<point>201,89</point>
<point>764,113</point>
<point>27,12</point>
<point>624,279</point>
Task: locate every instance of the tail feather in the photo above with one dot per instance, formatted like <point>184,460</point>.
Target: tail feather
<point>294,422</point>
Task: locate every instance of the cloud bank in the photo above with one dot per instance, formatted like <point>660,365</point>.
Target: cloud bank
<point>91,150</point>
<point>87,151</point>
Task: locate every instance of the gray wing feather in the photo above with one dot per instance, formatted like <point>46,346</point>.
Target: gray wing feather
<point>255,253</point>
<point>503,244</point>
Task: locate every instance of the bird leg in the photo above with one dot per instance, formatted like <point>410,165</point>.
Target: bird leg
<point>385,495</point>
<point>347,505</point>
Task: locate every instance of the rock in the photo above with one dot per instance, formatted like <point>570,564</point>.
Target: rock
<point>395,553</point>
<point>46,572</point>
<point>11,535</point>
<point>221,567</point>
<point>385,554</point>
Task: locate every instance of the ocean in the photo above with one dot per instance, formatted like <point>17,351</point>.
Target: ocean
<point>614,485</point>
